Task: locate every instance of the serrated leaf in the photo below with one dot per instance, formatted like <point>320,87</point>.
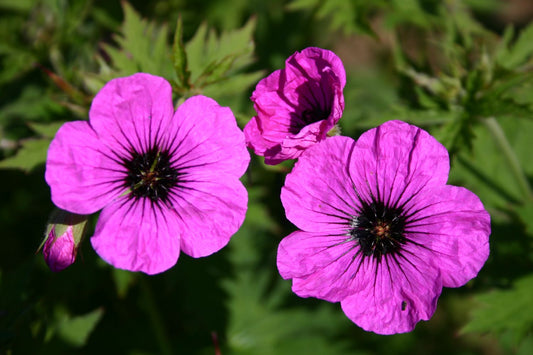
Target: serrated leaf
<point>76,330</point>
<point>505,310</point>
<point>212,58</point>
<point>30,155</point>
<point>519,52</point>
<point>258,322</point>
<point>142,47</point>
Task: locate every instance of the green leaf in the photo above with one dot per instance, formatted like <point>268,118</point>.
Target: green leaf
<point>180,57</point>
<point>519,52</point>
<point>525,213</point>
<point>211,58</point>
<point>258,322</point>
<point>47,130</point>
<point>485,169</point>
<point>504,311</point>
<point>457,133</point>
<point>123,281</point>
<point>29,156</point>
<point>142,47</point>
<point>76,330</point>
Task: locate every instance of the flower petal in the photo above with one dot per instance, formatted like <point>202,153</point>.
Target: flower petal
<point>452,223</point>
<point>210,209</point>
<point>205,136</point>
<point>137,235</point>
<point>399,294</point>
<point>83,175</point>
<point>317,195</point>
<point>132,112</point>
<point>395,160</point>
<point>321,265</point>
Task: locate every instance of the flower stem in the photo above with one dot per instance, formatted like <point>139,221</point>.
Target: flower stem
<point>505,147</point>
<point>155,317</point>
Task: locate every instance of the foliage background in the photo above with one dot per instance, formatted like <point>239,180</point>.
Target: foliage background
<point>461,69</point>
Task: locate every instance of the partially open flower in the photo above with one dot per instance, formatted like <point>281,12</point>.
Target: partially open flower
<point>296,106</point>
<point>63,237</point>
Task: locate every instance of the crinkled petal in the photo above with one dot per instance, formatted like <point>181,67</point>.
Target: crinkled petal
<point>312,62</point>
<point>204,136</point>
<point>396,160</point>
<point>452,223</point>
<point>396,296</point>
<point>307,92</point>
<point>138,236</point>
<point>317,195</point>
<point>132,112</point>
<point>210,209</point>
<point>321,265</point>
<point>83,174</point>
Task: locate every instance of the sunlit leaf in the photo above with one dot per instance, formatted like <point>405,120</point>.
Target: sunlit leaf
<point>29,156</point>
<point>76,330</point>
<point>504,311</point>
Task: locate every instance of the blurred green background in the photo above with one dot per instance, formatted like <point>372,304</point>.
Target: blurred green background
<point>461,69</point>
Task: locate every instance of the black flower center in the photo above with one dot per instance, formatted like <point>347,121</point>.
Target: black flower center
<point>316,114</point>
<point>150,174</point>
<point>378,229</point>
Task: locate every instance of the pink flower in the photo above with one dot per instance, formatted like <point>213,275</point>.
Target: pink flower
<point>296,106</point>
<point>381,232</point>
<point>60,250</point>
<point>63,236</point>
<point>165,181</point>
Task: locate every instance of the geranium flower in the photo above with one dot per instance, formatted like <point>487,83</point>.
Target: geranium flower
<point>380,231</point>
<point>165,181</point>
<point>64,234</point>
<point>296,106</point>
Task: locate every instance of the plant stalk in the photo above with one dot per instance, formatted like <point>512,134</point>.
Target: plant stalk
<point>505,147</point>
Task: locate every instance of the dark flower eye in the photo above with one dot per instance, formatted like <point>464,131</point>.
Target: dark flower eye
<point>380,231</point>
<point>166,182</point>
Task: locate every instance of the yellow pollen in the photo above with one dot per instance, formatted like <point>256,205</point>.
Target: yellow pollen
<point>382,229</point>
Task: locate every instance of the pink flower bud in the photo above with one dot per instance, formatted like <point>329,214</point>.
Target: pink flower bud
<point>63,236</point>
<point>59,251</point>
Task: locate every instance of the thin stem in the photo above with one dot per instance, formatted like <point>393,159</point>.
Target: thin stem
<point>505,147</point>
<point>155,317</point>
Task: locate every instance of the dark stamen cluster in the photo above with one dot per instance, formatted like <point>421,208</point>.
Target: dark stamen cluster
<point>378,229</point>
<point>150,174</point>
<point>315,115</point>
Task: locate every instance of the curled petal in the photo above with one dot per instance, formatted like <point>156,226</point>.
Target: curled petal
<point>297,106</point>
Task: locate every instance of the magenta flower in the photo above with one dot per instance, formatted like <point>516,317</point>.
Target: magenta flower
<point>296,106</point>
<point>381,232</point>
<point>165,181</point>
<point>59,251</point>
<point>63,235</point>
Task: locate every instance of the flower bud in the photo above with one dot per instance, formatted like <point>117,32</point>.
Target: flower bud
<point>63,237</point>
